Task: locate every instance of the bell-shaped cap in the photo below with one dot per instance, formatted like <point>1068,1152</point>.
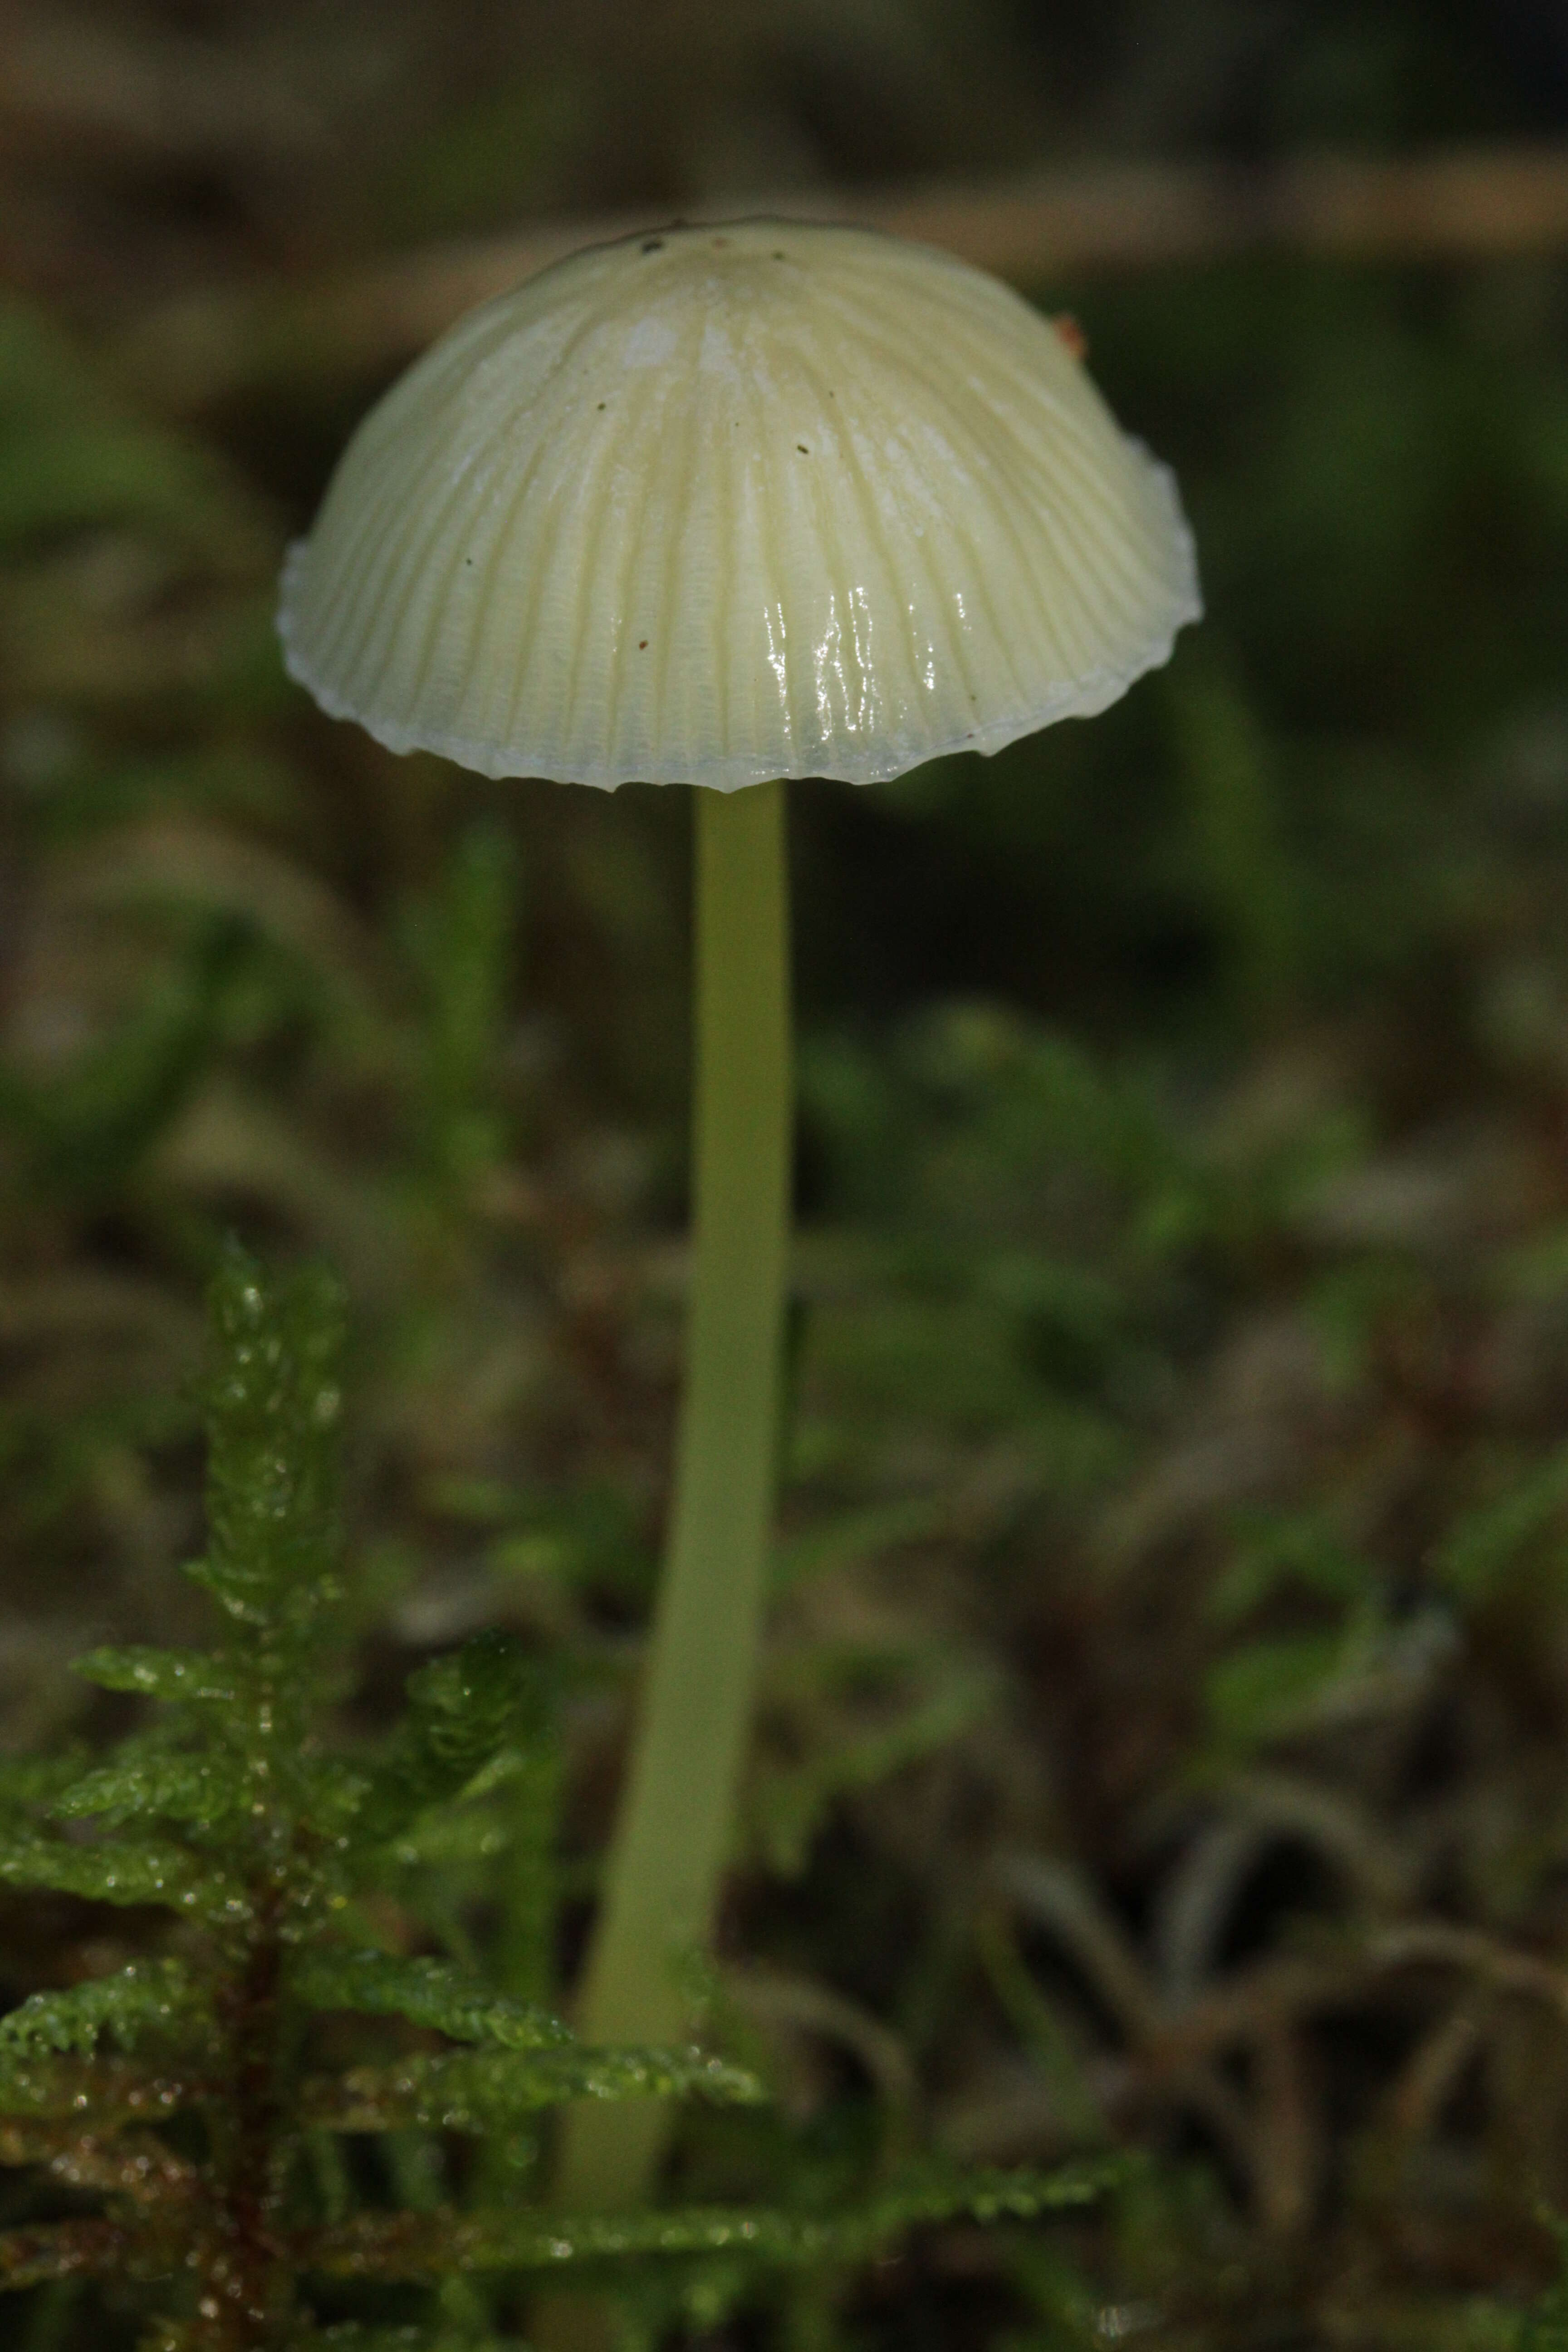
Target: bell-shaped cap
<point>729,503</point>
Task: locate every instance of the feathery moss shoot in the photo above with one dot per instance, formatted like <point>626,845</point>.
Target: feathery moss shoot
<point>185,2143</point>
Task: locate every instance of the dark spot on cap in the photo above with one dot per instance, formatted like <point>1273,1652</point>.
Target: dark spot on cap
<point>778,257</point>
<point>653,244</point>
<point>802,447</point>
<point>642,645</point>
<point>601,403</point>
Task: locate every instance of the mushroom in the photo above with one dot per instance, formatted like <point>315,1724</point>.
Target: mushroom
<point>726,504</point>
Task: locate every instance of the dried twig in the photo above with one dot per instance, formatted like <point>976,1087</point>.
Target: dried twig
<point>1059,1899</point>
<point>1287,2134</point>
<point>1256,2000</point>
<point>1433,1942</point>
<point>782,2004</point>
<point>1431,2071</point>
<point>1175,2047</point>
<point>1454,205</point>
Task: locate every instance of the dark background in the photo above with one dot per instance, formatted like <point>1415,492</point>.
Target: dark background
<point>1163,1736</point>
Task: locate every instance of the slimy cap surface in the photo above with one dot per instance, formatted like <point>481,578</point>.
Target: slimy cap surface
<point>727,503</point>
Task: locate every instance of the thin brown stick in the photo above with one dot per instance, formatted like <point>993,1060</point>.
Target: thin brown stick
<point>1436,1942</point>
<point>1455,205</point>
<point>1060,1898</point>
<point>1259,1999</point>
<point>778,2001</point>
<point>1287,2134</point>
<point>1431,2071</point>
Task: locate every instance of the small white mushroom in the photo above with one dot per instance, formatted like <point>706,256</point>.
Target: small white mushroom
<point>722,505</point>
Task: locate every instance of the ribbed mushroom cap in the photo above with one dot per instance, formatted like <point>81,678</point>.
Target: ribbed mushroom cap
<point>729,503</point>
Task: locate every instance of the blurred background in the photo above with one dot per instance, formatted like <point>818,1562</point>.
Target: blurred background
<point>1163,1738</point>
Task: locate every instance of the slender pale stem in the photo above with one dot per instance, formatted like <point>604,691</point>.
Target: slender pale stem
<point>678,1812</point>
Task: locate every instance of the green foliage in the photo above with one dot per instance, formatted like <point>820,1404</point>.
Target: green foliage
<point>462,1710</point>
<point>1543,2327</point>
<point>73,461</point>
<point>167,1675</point>
<point>216,2142</point>
<point>470,2094</point>
<point>272,1410</point>
<point>902,1706</point>
<point>427,1994</point>
<point>1486,1542</point>
<point>1271,1685</point>
<point>148,1996</point>
<point>460,942</point>
<point>80,1137</point>
<point>784,2240</point>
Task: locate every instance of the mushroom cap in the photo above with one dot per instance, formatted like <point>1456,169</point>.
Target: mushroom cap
<point>734,502</point>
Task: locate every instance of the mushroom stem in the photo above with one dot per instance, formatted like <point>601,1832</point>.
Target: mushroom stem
<point>675,1826</point>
